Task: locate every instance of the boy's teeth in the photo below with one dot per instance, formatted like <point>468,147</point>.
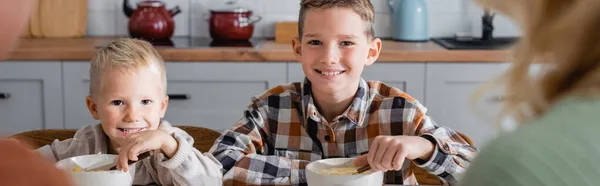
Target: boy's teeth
<point>331,73</point>
<point>133,130</point>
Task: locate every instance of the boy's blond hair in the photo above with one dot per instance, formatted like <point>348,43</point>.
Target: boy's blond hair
<point>363,8</point>
<point>126,54</point>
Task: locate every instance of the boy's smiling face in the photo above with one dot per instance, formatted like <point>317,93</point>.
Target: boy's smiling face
<point>334,49</point>
<point>128,102</point>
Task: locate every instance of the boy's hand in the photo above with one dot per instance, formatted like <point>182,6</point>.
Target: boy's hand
<point>388,152</point>
<point>144,141</point>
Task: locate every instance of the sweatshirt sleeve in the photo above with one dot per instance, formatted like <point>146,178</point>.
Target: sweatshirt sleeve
<point>58,150</point>
<point>188,166</point>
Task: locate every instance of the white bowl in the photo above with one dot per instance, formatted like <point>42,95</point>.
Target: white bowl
<point>104,178</point>
<point>313,177</point>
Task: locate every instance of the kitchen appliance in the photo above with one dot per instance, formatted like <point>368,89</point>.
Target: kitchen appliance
<point>232,22</point>
<point>472,43</point>
<point>410,21</point>
<point>486,42</point>
<point>150,20</point>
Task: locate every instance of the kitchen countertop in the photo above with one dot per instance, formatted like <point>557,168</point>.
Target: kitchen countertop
<point>266,51</point>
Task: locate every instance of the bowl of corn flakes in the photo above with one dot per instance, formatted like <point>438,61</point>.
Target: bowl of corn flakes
<point>76,166</point>
<point>340,171</point>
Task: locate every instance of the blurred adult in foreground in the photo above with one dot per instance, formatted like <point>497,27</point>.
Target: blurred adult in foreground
<point>559,109</point>
<point>19,165</point>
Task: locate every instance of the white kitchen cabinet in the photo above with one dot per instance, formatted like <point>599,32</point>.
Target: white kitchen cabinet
<point>30,96</point>
<point>211,95</point>
<point>218,93</point>
<point>409,77</point>
<point>214,94</point>
<point>76,83</point>
<point>450,89</point>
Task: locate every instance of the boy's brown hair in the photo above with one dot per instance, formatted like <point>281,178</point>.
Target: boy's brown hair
<point>127,54</point>
<point>363,8</point>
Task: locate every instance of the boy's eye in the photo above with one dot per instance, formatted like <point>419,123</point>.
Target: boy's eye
<point>146,102</point>
<point>346,43</point>
<point>314,42</point>
<point>116,102</point>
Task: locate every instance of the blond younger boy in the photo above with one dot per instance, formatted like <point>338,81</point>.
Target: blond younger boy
<point>128,95</point>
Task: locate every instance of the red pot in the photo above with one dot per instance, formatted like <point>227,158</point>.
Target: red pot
<point>150,20</point>
<point>233,24</point>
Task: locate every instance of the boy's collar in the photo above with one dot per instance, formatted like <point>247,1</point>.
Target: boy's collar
<point>164,124</point>
<point>356,112</point>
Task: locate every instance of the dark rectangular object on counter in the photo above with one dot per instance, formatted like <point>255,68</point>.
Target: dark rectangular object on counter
<point>454,43</point>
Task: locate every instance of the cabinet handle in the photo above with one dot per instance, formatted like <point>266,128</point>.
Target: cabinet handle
<point>4,95</point>
<point>496,99</point>
<point>179,96</point>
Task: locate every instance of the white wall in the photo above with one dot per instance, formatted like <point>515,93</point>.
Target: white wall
<point>447,17</point>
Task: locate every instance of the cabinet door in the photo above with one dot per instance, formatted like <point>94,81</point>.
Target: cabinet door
<point>449,92</point>
<point>214,95</point>
<point>30,96</point>
<point>210,95</point>
<point>409,77</point>
<point>76,82</point>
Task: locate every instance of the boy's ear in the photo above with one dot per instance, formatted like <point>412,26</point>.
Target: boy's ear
<point>374,51</point>
<point>163,107</point>
<point>297,47</point>
<point>91,105</point>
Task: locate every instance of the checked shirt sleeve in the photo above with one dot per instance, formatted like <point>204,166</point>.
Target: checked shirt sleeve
<point>452,155</point>
<point>240,151</point>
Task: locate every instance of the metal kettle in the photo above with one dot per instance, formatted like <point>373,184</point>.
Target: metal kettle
<point>410,20</point>
<point>150,20</point>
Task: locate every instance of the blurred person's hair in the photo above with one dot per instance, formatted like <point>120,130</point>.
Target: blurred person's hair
<point>560,35</point>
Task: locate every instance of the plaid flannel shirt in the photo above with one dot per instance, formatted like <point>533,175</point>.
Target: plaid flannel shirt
<point>282,131</point>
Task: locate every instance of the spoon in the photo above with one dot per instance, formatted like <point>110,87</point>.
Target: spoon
<point>362,169</point>
<point>113,165</point>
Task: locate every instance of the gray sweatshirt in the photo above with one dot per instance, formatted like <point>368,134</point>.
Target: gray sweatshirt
<point>187,167</point>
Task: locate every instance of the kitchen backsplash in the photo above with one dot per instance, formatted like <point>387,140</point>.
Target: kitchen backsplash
<point>446,17</point>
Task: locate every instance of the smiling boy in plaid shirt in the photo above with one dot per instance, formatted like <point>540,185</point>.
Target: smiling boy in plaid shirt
<point>336,113</point>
